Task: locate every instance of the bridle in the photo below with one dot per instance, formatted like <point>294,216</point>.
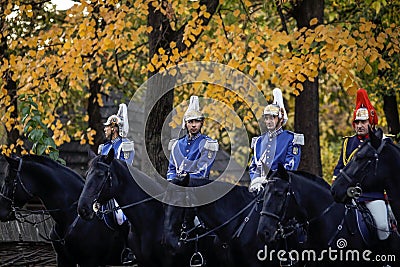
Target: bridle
<point>291,226</point>
<point>356,191</point>
<point>16,180</point>
<point>109,179</point>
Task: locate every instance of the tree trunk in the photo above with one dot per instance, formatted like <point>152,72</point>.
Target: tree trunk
<point>93,110</point>
<point>392,114</point>
<point>10,85</point>
<point>307,104</point>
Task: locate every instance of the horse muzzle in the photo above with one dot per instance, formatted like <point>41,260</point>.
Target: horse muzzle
<point>267,236</point>
<point>86,212</point>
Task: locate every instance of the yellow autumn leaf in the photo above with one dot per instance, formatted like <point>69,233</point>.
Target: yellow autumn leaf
<point>347,82</point>
<point>300,77</point>
<point>313,21</point>
<point>299,86</point>
<point>368,69</point>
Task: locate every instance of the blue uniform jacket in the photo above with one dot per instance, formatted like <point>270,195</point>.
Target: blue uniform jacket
<point>350,144</point>
<point>192,155</point>
<point>270,149</point>
<point>123,147</point>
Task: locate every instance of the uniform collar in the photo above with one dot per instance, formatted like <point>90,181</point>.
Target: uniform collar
<point>363,138</point>
<point>191,138</point>
<point>115,140</point>
<point>275,133</point>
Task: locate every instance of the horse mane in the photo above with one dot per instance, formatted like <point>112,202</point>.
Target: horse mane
<point>134,172</point>
<point>52,164</point>
<point>313,178</point>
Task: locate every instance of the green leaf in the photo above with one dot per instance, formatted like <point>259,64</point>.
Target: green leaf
<point>35,135</point>
<point>40,149</point>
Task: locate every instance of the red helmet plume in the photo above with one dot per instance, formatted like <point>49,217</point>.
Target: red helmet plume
<point>364,109</point>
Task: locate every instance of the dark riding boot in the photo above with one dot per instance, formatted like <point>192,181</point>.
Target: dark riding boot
<point>127,255</point>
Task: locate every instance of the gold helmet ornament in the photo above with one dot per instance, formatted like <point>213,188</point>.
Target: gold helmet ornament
<point>193,112</point>
<point>120,119</point>
<point>277,107</point>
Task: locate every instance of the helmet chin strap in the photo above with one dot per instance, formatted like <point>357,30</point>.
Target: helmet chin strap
<point>114,134</point>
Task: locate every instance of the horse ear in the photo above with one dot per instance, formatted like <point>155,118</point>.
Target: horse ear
<point>379,133</point>
<point>91,154</point>
<point>110,156</point>
<point>282,172</point>
<point>14,162</point>
<point>374,137</point>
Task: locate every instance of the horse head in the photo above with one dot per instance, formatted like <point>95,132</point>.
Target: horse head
<point>278,215</point>
<point>99,185</point>
<point>361,172</point>
<point>15,192</point>
<point>174,220</point>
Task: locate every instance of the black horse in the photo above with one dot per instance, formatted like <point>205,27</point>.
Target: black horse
<point>110,178</point>
<point>233,218</point>
<point>75,241</point>
<point>374,168</point>
<point>298,201</point>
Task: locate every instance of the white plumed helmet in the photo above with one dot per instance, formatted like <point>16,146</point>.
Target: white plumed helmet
<point>277,107</point>
<point>193,112</point>
<point>120,120</point>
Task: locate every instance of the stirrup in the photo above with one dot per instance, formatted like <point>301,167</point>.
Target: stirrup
<point>127,256</point>
<point>197,260</point>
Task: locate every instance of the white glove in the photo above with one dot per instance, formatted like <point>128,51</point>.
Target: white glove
<point>257,184</point>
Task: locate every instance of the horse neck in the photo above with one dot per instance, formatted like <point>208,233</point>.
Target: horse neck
<point>57,188</point>
<point>225,209</point>
<point>128,192</point>
<point>314,198</point>
<point>391,171</point>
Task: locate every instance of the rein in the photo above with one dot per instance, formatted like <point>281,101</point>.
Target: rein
<point>246,219</point>
<point>129,205</point>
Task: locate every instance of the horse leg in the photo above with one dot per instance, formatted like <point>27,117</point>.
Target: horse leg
<point>62,261</point>
<point>61,256</point>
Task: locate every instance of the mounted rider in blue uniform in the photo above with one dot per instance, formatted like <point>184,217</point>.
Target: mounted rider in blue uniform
<point>194,153</point>
<point>116,129</point>
<point>364,116</point>
<point>274,146</point>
